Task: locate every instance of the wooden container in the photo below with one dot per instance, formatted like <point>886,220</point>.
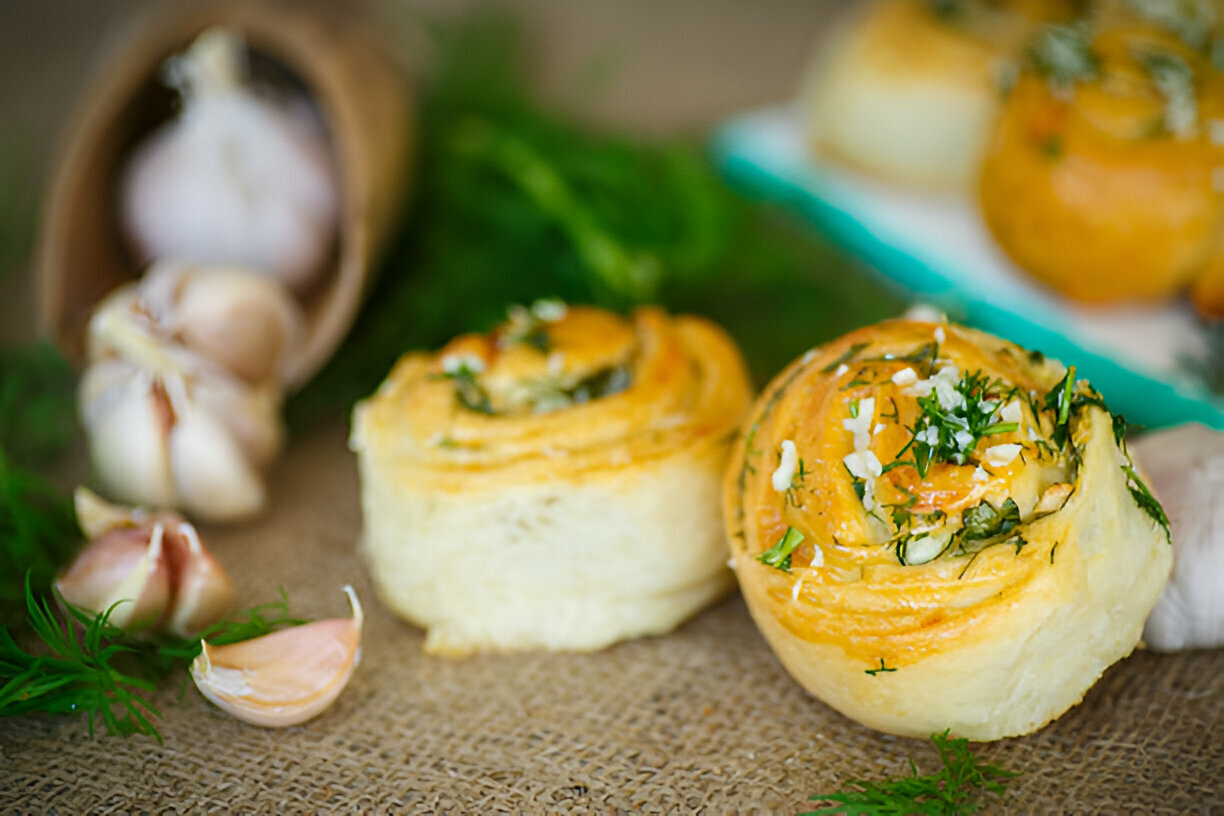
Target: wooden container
<point>365,102</point>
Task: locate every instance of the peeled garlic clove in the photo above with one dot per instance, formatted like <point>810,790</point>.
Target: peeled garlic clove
<point>1185,470</point>
<point>125,566</point>
<point>284,678</point>
<point>126,417</point>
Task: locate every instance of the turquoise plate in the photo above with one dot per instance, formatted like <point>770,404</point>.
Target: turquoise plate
<point>936,247</point>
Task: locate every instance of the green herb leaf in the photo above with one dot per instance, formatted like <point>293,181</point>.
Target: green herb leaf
<point>1174,79</point>
<point>1147,502</point>
<point>88,666</point>
<point>950,433</point>
<point>38,536</point>
<point>1191,20</point>
<point>779,555</point>
<point>882,668</point>
<point>985,521</point>
<point>1062,55</point>
<point>955,789</point>
<point>845,357</point>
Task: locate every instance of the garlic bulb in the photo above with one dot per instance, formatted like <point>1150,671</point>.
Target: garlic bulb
<point>284,678</point>
<point>238,178</point>
<point>167,423</point>
<point>153,565</point>
<point>1185,468</point>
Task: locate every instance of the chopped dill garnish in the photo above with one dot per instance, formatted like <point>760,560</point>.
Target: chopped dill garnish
<point>951,423</point>
<point>847,356</point>
<point>955,789</point>
<point>1062,55</point>
<point>86,665</point>
<point>779,555</point>
<point>882,668</point>
<point>1146,501</point>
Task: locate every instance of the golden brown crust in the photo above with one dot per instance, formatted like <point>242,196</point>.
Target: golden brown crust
<point>895,573</point>
<point>685,381</point>
<point>554,484</point>
<point>1088,189</point>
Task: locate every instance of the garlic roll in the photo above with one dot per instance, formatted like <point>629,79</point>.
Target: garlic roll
<point>963,544</point>
<point>553,484</point>
<point>1102,176</point>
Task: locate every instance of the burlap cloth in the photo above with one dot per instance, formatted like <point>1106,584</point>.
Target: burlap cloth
<point>702,720</point>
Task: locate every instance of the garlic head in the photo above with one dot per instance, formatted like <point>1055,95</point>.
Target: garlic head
<point>165,425</point>
<point>1185,469</point>
<point>240,177</point>
<point>284,678</point>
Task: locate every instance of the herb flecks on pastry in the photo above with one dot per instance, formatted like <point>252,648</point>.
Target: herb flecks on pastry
<point>553,484</point>
<point>955,507</point>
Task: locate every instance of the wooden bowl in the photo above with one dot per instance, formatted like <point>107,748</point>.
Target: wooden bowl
<point>366,104</point>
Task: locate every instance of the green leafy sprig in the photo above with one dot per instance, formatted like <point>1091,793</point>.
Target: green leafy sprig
<point>779,555</point>
<point>86,665</point>
<point>956,789</point>
<point>949,434</point>
<point>514,202</point>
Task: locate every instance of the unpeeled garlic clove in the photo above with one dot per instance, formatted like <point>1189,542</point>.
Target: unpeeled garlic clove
<point>126,421</point>
<point>286,677</point>
<point>124,568</point>
<point>1185,470</point>
<point>212,474</point>
<point>96,516</point>
<point>202,589</point>
<point>245,323</point>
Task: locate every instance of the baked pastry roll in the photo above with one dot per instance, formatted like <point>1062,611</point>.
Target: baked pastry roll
<point>554,484</point>
<point>934,528</point>
<point>907,90</point>
<point>1103,177</point>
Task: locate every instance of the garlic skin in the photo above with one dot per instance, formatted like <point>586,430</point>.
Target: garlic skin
<point>284,678</point>
<point>203,591</point>
<point>166,425</point>
<point>1185,470</point>
<point>238,178</point>
<point>241,321</point>
<point>154,559</point>
<point>124,568</point>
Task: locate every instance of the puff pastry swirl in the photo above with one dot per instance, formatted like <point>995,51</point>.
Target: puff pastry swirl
<point>934,528</point>
<point>554,484</point>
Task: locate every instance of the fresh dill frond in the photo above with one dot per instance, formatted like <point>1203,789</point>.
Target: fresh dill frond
<point>37,404</point>
<point>515,201</point>
<point>38,536</point>
<point>955,789</point>
<point>76,672</point>
<point>779,555</point>
<point>86,665</point>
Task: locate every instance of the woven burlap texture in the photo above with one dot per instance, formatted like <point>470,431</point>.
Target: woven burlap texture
<point>704,720</point>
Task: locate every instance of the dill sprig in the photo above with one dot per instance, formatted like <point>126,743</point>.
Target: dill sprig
<point>38,536</point>
<point>515,201</point>
<point>954,790</point>
<point>38,530</point>
<point>86,665</point>
<point>948,430</point>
